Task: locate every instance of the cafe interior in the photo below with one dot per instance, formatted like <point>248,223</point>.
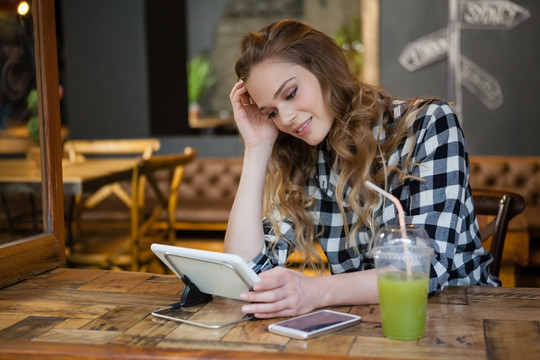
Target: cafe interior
<point>96,164</point>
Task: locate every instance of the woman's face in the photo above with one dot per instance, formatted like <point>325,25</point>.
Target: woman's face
<point>291,97</point>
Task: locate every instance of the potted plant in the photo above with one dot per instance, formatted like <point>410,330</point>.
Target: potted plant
<point>200,78</point>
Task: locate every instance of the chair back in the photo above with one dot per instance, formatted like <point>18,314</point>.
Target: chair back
<point>504,206</point>
<point>76,150</point>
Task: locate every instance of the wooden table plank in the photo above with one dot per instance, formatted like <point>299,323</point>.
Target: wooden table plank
<point>89,297</point>
<point>57,335</point>
<point>456,332</point>
<point>29,328</point>
<point>108,281</point>
<point>44,308</point>
<point>333,345</point>
<point>158,284</point>
<point>387,348</point>
<point>7,319</point>
<point>149,332</point>
<point>255,332</point>
<point>120,318</point>
<point>510,339</point>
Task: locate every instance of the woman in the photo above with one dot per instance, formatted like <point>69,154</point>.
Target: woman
<point>313,135</point>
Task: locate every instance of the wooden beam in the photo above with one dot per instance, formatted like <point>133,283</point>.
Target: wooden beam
<point>369,12</point>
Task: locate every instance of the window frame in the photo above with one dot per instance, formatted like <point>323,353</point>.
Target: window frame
<point>24,258</point>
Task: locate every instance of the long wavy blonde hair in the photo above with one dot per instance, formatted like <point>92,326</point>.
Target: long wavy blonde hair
<point>357,154</point>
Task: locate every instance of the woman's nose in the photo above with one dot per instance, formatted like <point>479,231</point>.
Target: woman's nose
<point>287,115</point>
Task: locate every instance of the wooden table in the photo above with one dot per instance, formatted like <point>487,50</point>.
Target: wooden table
<point>24,176</point>
<point>69,313</point>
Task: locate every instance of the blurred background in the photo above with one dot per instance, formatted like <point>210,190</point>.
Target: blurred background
<point>123,65</point>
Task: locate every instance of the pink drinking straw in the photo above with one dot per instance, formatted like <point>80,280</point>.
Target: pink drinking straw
<point>401,217</point>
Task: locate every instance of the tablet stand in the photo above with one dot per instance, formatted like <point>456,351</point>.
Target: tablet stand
<point>191,296</point>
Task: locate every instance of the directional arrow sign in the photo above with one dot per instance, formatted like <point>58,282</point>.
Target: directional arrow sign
<point>481,84</point>
<point>491,14</point>
<point>471,14</point>
<point>425,50</point>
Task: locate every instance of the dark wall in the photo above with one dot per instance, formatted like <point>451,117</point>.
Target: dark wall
<point>124,72</point>
<point>511,56</point>
<point>105,88</point>
<point>166,69</point>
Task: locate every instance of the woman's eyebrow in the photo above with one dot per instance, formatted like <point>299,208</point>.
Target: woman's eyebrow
<point>276,94</point>
<point>278,91</point>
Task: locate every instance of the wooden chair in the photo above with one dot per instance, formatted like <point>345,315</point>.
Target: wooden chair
<point>79,150</point>
<point>140,252</point>
<point>504,206</point>
<point>133,252</point>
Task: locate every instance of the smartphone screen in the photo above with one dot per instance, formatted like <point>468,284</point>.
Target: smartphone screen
<point>314,324</point>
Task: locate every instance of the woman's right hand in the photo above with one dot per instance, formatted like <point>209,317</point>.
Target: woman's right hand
<point>253,126</point>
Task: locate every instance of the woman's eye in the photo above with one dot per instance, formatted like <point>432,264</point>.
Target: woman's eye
<point>292,94</point>
<point>272,114</point>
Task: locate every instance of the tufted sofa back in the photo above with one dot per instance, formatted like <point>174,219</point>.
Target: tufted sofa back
<point>520,174</point>
<point>208,189</point>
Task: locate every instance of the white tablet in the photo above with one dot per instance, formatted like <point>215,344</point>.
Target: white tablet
<point>212,272</point>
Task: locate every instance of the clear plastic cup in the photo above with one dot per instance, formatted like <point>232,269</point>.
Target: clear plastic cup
<point>403,287</point>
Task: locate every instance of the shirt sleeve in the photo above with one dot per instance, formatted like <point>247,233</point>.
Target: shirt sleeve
<point>271,256</point>
<point>442,202</point>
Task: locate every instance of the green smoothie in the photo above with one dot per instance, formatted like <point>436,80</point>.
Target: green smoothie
<point>403,303</point>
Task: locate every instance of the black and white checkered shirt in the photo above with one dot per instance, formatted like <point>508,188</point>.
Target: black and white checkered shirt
<point>442,204</point>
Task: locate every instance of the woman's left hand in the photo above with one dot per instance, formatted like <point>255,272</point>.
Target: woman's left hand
<point>281,292</point>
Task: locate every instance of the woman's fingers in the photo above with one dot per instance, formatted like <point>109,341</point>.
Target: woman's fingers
<point>240,95</point>
<point>279,293</point>
<point>268,310</point>
<point>237,93</point>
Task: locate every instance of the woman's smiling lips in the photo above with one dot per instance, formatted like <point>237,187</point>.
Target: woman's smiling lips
<point>302,129</point>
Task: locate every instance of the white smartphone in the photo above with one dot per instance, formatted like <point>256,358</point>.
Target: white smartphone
<point>314,324</point>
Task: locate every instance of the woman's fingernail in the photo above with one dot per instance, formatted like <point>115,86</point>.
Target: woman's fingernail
<point>243,296</point>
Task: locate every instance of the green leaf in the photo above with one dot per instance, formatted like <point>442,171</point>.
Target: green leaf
<point>200,77</point>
